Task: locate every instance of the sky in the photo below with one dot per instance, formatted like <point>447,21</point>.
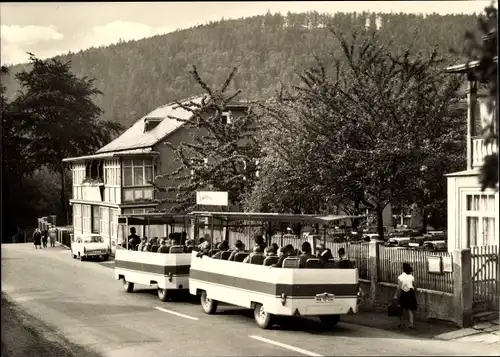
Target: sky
<point>51,29</point>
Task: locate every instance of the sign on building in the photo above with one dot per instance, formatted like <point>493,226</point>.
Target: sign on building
<point>212,198</point>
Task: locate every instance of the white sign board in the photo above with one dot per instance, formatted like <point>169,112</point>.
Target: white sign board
<point>211,198</point>
<point>447,264</point>
<point>434,264</point>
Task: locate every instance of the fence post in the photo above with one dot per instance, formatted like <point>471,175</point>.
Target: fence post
<point>373,268</point>
<point>463,288</point>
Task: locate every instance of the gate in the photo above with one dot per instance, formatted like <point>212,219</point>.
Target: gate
<point>485,278</point>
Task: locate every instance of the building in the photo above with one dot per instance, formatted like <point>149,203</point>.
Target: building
<point>115,180</point>
<point>473,215</point>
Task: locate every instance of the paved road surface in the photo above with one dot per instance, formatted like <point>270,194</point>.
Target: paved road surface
<point>84,302</point>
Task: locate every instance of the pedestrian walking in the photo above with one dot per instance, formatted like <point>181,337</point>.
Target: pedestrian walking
<point>44,238</point>
<point>52,236</point>
<point>37,238</point>
<point>406,295</point>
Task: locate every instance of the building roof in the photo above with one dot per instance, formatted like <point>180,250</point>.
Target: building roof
<point>465,67</point>
<point>135,137</point>
<point>473,172</point>
<point>106,155</point>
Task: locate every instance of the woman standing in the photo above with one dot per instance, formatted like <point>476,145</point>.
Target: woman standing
<point>406,291</point>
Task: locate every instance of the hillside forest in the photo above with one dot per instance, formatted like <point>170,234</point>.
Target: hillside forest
<point>271,51</point>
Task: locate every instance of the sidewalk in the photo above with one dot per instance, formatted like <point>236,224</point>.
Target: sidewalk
<point>423,329</point>
<point>486,332</point>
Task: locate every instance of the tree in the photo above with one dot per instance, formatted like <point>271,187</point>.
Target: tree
<point>481,45</point>
<point>220,155</point>
<point>59,116</point>
<point>377,121</point>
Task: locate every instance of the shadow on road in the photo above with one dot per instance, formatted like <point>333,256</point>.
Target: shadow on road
<point>345,328</point>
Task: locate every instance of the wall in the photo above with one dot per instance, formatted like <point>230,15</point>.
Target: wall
<point>455,307</point>
<point>458,186</point>
<point>167,161</point>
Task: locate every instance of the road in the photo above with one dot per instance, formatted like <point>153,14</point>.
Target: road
<point>83,302</point>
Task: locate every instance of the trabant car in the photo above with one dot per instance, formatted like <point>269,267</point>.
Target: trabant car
<point>271,291</point>
<point>167,272</point>
<point>90,246</point>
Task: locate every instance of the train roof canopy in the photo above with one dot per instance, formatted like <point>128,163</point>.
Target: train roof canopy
<point>273,217</point>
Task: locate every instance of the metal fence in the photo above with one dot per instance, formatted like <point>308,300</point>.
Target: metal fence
<point>484,273</point>
<point>391,266</point>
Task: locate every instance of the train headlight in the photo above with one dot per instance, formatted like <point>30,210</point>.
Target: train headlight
<point>170,277</point>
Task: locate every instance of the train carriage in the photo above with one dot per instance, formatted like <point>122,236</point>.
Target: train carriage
<point>316,290</point>
<point>165,271</point>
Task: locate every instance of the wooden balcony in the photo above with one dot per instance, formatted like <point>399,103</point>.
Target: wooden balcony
<point>480,150</point>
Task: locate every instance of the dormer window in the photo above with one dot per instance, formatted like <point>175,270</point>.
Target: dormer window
<point>151,123</point>
<point>226,118</point>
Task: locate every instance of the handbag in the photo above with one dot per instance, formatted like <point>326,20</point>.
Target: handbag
<point>393,308</point>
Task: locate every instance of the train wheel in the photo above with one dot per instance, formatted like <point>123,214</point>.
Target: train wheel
<point>264,319</point>
<point>329,321</point>
<point>162,294</point>
<point>208,305</point>
<point>127,286</point>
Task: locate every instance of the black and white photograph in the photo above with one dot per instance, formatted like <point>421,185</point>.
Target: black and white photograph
<point>240,178</point>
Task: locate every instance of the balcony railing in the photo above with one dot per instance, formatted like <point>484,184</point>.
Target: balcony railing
<point>480,150</point>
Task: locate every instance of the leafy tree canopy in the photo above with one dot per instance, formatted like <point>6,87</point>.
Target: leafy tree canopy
<point>373,127</point>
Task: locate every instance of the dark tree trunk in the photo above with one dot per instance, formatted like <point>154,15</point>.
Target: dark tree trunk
<point>64,204</point>
<point>355,222</point>
<point>424,221</point>
<point>380,221</point>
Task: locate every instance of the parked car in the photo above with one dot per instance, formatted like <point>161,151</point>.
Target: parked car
<point>90,246</point>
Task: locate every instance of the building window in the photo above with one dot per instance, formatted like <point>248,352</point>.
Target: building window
<point>77,217</point>
<point>472,231</point>
<point>257,172</point>
<point>137,172</point>
<point>86,218</point>
<point>95,219</point>
<point>226,118</point>
<point>113,217</point>
<point>478,220</point>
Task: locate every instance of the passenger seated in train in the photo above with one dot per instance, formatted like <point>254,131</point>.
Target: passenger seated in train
<point>257,251</point>
<point>275,248</point>
<point>269,252</point>
<point>259,242</point>
<point>175,240</point>
<point>287,251</point>
<point>223,246</point>
<point>189,245</point>
<point>238,247</point>
<point>155,245</point>
<point>164,248</point>
<point>323,254</point>
<point>133,239</point>
<point>343,262</point>
<point>204,243</point>
<point>144,242</point>
<point>183,238</point>
<point>306,254</point>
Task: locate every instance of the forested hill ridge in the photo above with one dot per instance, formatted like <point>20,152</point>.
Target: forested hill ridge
<point>137,76</point>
